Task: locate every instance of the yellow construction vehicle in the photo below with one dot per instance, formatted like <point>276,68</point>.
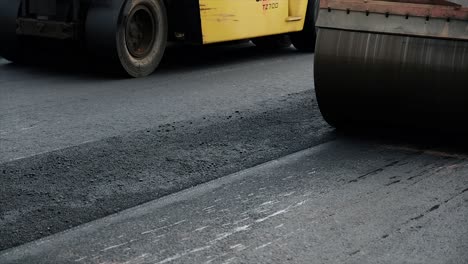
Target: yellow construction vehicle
<point>398,63</point>
<point>133,33</point>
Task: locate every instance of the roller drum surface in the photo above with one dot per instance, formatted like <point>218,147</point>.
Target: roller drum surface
<point>382,80</point>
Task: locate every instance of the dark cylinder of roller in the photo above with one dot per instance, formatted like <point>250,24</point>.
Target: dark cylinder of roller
<point>371,79</point>
<point>379,70</point>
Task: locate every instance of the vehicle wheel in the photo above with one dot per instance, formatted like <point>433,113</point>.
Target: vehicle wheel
<point>305,39</point>
<point>139,34</point>
<point>272,42</point>
<point>142,36</point>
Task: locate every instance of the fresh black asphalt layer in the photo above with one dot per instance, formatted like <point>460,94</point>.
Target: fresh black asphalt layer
<point>77,144</point>
<point>50,192</point>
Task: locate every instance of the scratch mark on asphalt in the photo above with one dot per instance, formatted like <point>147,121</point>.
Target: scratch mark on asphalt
<point>199,249</point>
<point>179,255</point>
<point>80,259</point>
<point>208,208</point>
<point>267,203</point>
<point>242,228</point>
<point>272,215</point>
<point>169,259</point>
<point>435,207</point>
<point>375,171</point>
<point>221,236</point>
<point>393,182</point>
<point>114,246</point>
<point>301,203</point>
<point>162,227</point>
<point>227,234</point>
<point>238,247</point>
<point>200,228</point>
<point>288,194</point>
<point>263,246</point>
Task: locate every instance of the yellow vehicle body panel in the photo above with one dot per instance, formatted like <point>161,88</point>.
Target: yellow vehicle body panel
<point>226,20</point>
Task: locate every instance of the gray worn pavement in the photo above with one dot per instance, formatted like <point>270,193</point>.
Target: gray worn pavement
<point>45,108</point>
<point>345,201</point>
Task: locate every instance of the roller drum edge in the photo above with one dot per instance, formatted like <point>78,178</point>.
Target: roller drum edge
<point>381,80</point>
<point>305,40</point>
<point>9,44</point>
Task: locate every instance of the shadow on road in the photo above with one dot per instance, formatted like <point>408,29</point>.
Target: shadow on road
<point>178,58</point>
<point>447,144</point>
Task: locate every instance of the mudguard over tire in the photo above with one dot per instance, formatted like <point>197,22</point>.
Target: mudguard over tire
<point>305,39</point>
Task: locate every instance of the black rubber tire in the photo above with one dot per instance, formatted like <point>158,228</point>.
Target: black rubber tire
<point>10,46</point>
<point>272,42</point>
<point>147,64</point>
<point>305,40</point>
<point>107,29</point>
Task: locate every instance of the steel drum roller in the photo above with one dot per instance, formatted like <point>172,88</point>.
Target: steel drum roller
<point>386,79</point>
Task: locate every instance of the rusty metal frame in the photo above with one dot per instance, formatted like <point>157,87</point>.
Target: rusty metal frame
<point>46,28</point>
<point>417,8</point>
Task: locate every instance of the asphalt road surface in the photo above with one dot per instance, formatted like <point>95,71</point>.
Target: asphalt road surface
<point>345,201</point>
<point>77,146</point>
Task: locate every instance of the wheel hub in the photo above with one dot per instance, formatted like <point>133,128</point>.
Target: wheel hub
<point>140,31</point>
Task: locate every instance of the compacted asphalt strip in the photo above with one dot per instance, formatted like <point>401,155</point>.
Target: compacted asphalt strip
<point>76,146</point>
<point>345,201</point>
<point>54,191</point>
